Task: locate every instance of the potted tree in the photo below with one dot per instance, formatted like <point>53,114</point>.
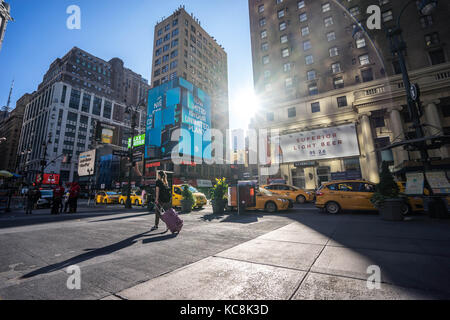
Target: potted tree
<point>387,198</point>
<point>218,196</point>
<point>188,199</point>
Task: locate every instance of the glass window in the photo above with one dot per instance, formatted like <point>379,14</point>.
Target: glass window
<point>303,17</point>
<point>281,13</point>
<point>263,34</point>
<point>334,52</point>
<point>264,46</point>
<point>338,83</point>
<point>354,11</point>
<point>331,36</point>
<point>364,59</point>
<point>306,45</point>
<point>309,59</point>
<point>261,8</point>
<point>270,116</point>
<point>262,22</point>
<point>265,60</point>
<point>300,4</point>
<point>285,52</point>
<point>315,107</point>
<point>292,112</point>
<point>311,75</point>
<point>336,67</point>
<point>342,101</point>
<point>284,39</point>
<point>387,16</point>
<point>305,31</point>
<point>287,67</point>
<point>326,7</point>
<point>282,26</point>
<point>360,43</point>
<point>367,75</point>
<point>288,83</point>
<point>328,21</point>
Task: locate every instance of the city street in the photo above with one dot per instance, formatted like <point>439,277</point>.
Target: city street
<point>300,254</point>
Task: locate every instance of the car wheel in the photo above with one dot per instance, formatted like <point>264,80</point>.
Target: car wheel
<point>405,209</point>
<point>271,207</point>
<point>301,199</point>
<point>332,207</point>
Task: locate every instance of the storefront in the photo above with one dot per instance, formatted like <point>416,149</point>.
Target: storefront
<point>309,158</point>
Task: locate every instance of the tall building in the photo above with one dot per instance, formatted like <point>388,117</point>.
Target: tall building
<point>4,18</point>
<point>10,129</point>
<point>183,49</point>
<point>80,95</point>
<point>316,81</point>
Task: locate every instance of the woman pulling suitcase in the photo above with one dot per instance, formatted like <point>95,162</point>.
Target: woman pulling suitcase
<point>162,197</point>
<point>163,208</point>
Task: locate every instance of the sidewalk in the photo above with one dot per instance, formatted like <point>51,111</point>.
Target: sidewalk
<point>318,257</point>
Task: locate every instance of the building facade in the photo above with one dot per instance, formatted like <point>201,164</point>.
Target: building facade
<point>4,18</point>
<point>183,49</point>
<point>79,94</point>
<point>10,128</point>
<point>316,77</point>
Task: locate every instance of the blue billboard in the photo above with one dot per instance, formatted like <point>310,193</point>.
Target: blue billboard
<point>173,105</point>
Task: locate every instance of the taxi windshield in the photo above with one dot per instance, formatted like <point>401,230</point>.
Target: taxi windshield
<point>193,190</point>
<point>265,192</point>
<point>112,193</point>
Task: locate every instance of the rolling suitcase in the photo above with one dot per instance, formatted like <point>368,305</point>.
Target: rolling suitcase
<point>172,220</point>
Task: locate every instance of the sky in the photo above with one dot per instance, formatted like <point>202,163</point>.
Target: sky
<point>123,29</point>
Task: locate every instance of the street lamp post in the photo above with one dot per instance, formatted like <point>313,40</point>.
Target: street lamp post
<point>44,159</point>
<point>132,111</point>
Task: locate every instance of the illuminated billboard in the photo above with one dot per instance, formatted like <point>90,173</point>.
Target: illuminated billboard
<point>173,105</point>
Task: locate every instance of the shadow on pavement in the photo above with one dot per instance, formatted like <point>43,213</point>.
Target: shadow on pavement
<point>93,253</point>
<point>124,217</point>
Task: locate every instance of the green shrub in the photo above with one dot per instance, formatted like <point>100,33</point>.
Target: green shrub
<point>187,194</point>
<point>220,190</point>
<point>387,188</point>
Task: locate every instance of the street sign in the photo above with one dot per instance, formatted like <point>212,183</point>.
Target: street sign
<point>120,153</point>
<point>415,92</point>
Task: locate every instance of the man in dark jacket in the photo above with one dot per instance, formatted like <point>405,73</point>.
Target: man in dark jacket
<point>33,196</point>
<point>74,192</point>
<point>58,194</point>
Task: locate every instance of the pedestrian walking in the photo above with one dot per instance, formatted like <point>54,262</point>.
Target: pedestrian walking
<point>162,197</point>
<point>74,193</point>
<point>33,195</point>
<point>58,194</point>
<point>144,197</point>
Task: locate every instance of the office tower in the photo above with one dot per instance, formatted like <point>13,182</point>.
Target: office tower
<point>316,77</point>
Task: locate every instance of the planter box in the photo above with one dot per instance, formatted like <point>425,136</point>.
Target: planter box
<point>186,206</point>
<point>391,210</point>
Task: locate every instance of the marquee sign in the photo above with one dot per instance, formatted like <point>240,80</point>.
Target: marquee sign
<point>326,143</point>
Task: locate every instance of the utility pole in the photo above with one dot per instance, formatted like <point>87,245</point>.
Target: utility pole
<point>130,154</point>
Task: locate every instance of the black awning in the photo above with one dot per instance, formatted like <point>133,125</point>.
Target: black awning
<point>436,143</point>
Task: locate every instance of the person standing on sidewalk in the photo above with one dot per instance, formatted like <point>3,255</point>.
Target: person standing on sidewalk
<point>33,195</point>
<point>74,192</point>
<point>58,194</point>
<point>162,197</point>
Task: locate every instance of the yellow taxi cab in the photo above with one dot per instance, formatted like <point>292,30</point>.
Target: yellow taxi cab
<point>296,194</point>
<point>107,197</point>
<point>200,198</point>
<point>135,198</point>
<point>270,202</point>
<point>415,203</point>
<point>335,196</point>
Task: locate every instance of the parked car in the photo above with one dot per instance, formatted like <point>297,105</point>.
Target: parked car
<point>135,198</point>
<point>296,194</point>
<point>200,198</point>
<point>46,199</point>
<point>335,196</point>
<point>265,200</point>
<point>107,197</point>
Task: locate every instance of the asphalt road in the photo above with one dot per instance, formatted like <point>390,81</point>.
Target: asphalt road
<point>113,248</point>
<point>300,254</point>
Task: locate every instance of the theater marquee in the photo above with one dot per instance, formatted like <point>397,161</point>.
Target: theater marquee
<point>327,143</point>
